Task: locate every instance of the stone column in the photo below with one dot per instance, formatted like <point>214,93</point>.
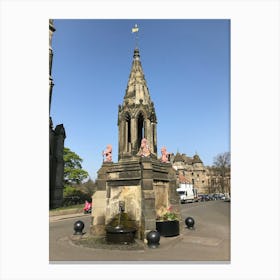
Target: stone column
<point>99,201</point>
<point>149,134</point>
<point>154,137</point>
<point>134,140</point>
<point>148,219</point>
<point>125,132</point>
<point>120,139</point>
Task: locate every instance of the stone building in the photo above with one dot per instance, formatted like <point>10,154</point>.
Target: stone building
<point>192,170</point>
<point>219,181</point>
<point>139,180</point>
<point>56,143</point>
<point>205,179</point>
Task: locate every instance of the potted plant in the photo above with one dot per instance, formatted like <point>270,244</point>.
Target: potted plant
<point>167,224</point>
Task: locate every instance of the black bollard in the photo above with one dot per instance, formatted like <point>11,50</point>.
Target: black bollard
<point>78,227</point>
<point>153,238</point>
<point>189,221</point>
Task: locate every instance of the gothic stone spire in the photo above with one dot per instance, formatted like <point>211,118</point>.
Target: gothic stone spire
<point>137,117</point>
<point>137,90</point>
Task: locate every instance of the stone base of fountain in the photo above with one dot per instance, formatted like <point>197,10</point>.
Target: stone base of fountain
<point>120,235</point>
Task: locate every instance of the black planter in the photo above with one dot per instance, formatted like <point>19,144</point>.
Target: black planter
<point>168,228</point>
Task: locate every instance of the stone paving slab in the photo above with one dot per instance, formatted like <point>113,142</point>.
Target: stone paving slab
<point>207,241</point>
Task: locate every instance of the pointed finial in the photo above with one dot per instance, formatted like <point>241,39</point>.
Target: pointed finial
<point>136,54</point>
<point>135,29</point>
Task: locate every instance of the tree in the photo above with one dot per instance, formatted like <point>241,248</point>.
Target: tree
<point>222,167</point>
<point>73,172</point>
<point>87,187</point>
<point>222,160</point>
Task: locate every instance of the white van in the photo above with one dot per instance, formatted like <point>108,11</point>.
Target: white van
<point>187,193</point>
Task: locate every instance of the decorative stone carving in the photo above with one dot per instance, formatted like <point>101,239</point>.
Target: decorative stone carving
<point>164,155</point>
<point>144,150</point>
<point>108,153</point>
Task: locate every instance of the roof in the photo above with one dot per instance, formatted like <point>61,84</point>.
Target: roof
<point>186,159</point>
<point>178,157</point>
<point>196,159</point>
<point>137,91</point>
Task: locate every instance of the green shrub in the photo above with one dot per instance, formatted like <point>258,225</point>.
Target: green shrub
<point>73,196</point>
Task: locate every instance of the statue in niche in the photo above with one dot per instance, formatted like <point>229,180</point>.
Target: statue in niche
<point>144,150</point>
<point>107,153</point>
<point>164,155</point>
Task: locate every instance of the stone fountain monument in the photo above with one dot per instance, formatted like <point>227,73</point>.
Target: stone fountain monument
<point>139,181</point>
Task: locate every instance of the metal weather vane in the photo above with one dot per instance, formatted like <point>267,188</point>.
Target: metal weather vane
<point>135,30</point>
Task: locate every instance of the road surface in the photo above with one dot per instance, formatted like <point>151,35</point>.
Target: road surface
<point>209,241</point>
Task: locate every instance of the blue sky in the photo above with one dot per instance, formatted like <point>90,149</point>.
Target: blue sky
<point>187,68</point>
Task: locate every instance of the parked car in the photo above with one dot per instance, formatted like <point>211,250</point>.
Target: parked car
<point>219,196</point>
<point>204,197</point>
<point>216,196</point>
<point>212,197</point>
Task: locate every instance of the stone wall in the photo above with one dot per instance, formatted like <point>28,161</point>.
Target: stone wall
<point>144,185</point>
<point>56,166</point>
